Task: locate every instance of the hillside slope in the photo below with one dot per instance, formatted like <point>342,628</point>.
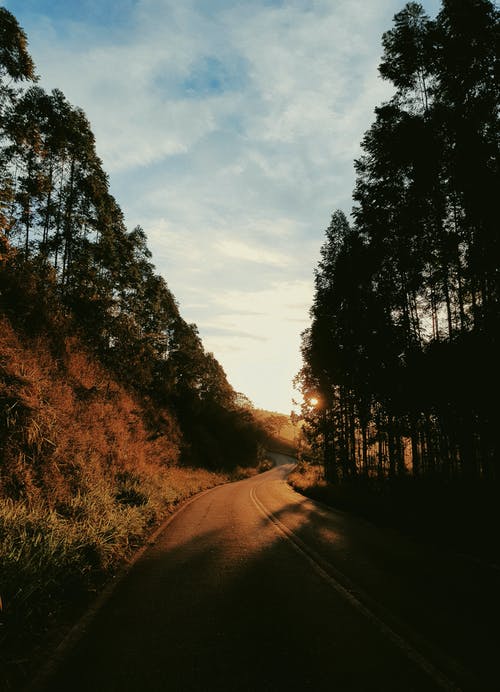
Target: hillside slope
<point>111,409</point>
<point>86,471</point>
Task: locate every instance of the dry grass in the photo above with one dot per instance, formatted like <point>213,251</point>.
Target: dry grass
<point>47,551</point>
<point>305,478</point>
<point>64,420</point>
<point>82,483</point>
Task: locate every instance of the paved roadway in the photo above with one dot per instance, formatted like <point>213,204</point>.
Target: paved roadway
<point>253,588</point>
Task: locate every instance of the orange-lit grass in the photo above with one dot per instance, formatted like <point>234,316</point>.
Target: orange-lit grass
<point>306,477</point>
<point>44,550</point>
<point>53,559</point>
<point>82,481</point>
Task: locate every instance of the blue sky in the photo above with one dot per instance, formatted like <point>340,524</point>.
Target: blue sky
<point>229,130</point>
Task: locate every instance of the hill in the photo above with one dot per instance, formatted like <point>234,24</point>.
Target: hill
<point>90,465</point>
<point>111,410</point>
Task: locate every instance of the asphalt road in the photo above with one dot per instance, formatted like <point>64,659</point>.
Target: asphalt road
<point>252,587</point>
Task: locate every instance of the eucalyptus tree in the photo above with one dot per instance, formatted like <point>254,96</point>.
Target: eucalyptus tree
<point>214,389</point>
<point>16,66</point>
<point>24,125</point>
<point>408,56</point>
<point>415,282</point>
<point>468,83</point>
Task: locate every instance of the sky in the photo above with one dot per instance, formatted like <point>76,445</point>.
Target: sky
<point>228,129</point>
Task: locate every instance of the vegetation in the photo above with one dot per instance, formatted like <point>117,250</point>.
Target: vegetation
<point>401,371</point>
<point>88,468</point>
<point>70,244</point>
<point>281,430</point>
<point>111,411</point>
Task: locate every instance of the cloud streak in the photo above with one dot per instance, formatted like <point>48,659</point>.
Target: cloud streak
<point>229,131</point>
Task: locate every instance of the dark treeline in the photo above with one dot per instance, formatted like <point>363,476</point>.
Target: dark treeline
<point>403,351</point>
<point>70,260</point>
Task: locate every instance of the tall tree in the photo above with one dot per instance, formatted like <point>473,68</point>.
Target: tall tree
<point>16,66</point>
<point>413,286</point>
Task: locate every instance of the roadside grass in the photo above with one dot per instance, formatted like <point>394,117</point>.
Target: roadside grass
<point>307,479</point>
<point>84,479</point>
<point>55,558</point>
<point>452,515</point>
<point>86,473</point>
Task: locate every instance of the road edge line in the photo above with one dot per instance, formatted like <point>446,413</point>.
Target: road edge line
<point>406,647</point>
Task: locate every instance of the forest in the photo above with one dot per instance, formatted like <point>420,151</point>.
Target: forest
<point>69,259</point>
<point>111,410</point>
<point>400,372</point>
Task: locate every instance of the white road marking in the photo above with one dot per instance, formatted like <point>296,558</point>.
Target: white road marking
<point>313,559</point>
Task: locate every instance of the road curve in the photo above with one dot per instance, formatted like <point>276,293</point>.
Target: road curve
<point>253,588</point>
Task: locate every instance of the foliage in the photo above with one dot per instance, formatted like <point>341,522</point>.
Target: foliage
<point>81,270</point>
<point>87,469</point>
<point>107,395</point>
<point>401,356</point>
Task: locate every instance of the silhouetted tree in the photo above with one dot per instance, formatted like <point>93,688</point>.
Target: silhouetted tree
<point>405,318</point>
<point>73,246</point>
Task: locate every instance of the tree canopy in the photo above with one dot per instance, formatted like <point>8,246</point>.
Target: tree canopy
<point>70,243</point>
<point>402,350</point>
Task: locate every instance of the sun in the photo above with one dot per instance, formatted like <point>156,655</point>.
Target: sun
<point>313,401</point>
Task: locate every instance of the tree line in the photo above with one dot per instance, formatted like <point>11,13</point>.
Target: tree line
<point>401,370</point>
<point>70,255</point>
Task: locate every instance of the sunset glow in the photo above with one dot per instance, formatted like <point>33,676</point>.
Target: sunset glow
<point>237,133</point>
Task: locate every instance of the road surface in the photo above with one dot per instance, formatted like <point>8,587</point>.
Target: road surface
<point>254,588</point>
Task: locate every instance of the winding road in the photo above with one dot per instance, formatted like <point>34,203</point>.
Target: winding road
<point>254,588</point>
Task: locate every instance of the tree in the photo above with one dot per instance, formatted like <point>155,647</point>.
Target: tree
<point>72,246</point>
<point>15,61</point>
<point>412,285</point>
<point>407,60</point>
<point>16,65</point>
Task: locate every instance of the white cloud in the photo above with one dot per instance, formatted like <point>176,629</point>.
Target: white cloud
<point>228,130</point>
<point>262,369</point>
<point>238,249</point>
